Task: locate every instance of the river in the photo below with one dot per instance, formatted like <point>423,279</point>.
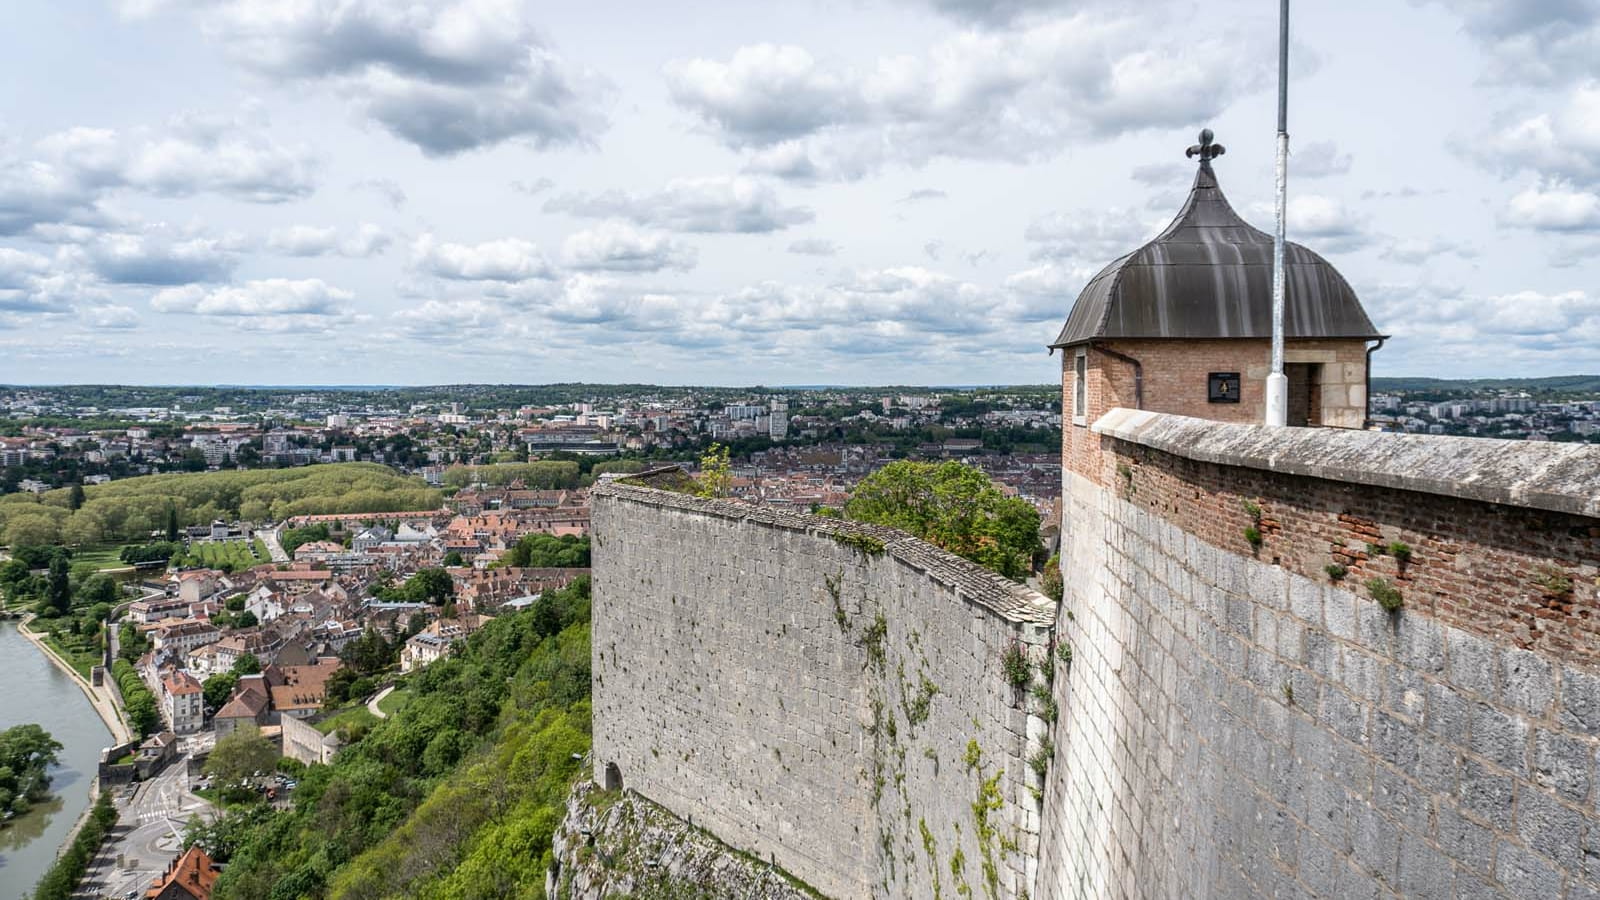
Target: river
<point>32,689</point>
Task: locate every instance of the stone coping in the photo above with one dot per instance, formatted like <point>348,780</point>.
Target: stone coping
<point>1561,478</point>
<point>972,582</point>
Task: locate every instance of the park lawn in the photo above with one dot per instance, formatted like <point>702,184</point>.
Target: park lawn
<point>353,715</point>
<point>103,556</point>
<point>393,703</point>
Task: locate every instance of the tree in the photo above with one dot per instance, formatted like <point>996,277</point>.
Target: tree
<point>246,619</point>
<point>35,529</point>
<point>172,523</point>
<point>548,551</point>
<point>218,688</point>
<point>716,472</point>
<point>239,756</point>
<point>75,498</point>
<point>58,593</point>
<point>26,754</point>
<point>1050,579</point>
<point>954,506</point>
<point>430,586</point>
<point>453,559</point>
<point>247,664</point>
<point>98,589</point>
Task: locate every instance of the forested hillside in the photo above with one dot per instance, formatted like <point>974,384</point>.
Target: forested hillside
<point>130,509</point>
<point>456,795</point>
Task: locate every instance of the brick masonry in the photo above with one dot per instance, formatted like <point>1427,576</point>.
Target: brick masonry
<point>1237,724</point>
<point>819,693</point>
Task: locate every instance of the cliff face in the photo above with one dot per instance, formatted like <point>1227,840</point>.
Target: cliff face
<point>617,844</point>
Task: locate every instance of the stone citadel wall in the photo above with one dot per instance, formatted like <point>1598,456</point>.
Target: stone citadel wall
<point>819,693</point>
<point>1239,722</point>
<point>1235,721</point>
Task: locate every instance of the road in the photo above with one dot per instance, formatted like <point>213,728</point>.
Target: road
<point>274,549</point>
<point>372,705</point>
<point>147,835</point>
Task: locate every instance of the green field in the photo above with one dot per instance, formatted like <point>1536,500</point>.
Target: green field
<point>103,556</point>
<point>233,555</point>
<point>392,703</point>
<point>354,716</point>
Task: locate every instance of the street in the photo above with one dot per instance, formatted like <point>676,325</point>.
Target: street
<point>147,834</point>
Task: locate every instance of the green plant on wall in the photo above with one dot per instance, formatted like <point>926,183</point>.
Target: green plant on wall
<point>1387,595</point>
<point>866,543</point>
<point>1015,667</point>
<point>1252,535</point>
<point>1553,581</point>
<point>1336,572</point>
<point>1040,760</point>
<point>1125,472</point>
<point>1401,551</point>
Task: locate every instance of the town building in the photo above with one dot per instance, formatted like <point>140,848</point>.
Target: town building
<point>184,701</point>
<point>190,877</point>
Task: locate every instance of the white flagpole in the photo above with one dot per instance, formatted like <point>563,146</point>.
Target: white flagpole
<point>1277,382</point>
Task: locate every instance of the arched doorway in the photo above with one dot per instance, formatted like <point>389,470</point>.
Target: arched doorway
<point>613,781</point>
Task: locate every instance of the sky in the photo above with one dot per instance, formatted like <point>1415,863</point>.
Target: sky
<point>817,191</point>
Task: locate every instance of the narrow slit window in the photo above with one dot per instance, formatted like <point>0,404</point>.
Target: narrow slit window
<point>1080,387</point>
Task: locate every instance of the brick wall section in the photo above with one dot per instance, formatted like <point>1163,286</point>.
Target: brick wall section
<point>810,701</point>
<point>1233,727</point>
<point>1175,382</point>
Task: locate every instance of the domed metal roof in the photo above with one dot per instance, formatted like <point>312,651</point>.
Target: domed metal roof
<point>1209,275</point>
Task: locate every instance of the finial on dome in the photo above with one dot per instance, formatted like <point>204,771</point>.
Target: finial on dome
<point>1206,150</point>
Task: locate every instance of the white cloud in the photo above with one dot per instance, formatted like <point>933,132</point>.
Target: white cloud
<point>308,297</point>
<point>1016,95</point>
<point>505,260</point>
<point>1415,251</point>
<point>24,283</point>
<point>1324,224</point>
<point>814,247</point>
<point>386,188</point>
<point>110,317</point>
<point>1533,41</point>
<point>1563,144</point>
<point>995,12</point>
<point>712,204</point>
<point>309,240</point>
<point>1554,207</point>
<point>1046,292</point>
<point>616,247</point>
<point>532,188</point>
<point>1319,159</point>
<point>764,94</point>
<point>445,75</point>
<point>1089,237</point>
<point>160,255</point>
<point>73,171</point>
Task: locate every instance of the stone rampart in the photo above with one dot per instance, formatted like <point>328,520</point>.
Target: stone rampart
<point>1243,718</point>
<point>824,694</point>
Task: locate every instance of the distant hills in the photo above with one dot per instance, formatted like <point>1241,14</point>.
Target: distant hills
<point>1555,384</point>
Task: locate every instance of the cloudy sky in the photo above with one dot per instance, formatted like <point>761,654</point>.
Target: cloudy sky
<point>817,191</point>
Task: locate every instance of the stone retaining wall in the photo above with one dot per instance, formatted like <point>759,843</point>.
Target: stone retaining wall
<point>819,693</point>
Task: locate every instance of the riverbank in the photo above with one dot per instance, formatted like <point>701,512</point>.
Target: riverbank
<point>104,706</point>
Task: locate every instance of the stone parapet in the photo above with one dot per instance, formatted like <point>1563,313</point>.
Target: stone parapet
<point>1537,474</point>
